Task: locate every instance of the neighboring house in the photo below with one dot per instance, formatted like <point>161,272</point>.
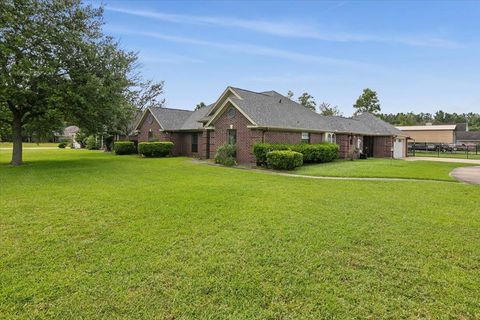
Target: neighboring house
<point>69,134</point>
<point>243,118</point>
<point>468,137</point>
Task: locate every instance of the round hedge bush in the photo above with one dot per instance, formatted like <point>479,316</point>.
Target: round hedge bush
<point>155,149</point>
<point>63,145</point>
<point>226,155</point>
<point>124,147</point>
<point>284,159</point>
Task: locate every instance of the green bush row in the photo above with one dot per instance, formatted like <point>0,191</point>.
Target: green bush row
<point>284,159</point>
<point>312,153</point>
<point>63,145</point>
<point>226,155</point>
<point>155,149</point>
<point>124,147</point>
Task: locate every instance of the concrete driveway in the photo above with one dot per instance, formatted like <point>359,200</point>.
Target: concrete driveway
<point>467,174</point>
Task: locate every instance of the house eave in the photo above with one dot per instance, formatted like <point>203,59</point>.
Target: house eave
<point>320,131</point>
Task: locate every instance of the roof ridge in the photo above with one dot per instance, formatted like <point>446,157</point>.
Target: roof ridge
<point>176,109</point>
<point>262,93</point>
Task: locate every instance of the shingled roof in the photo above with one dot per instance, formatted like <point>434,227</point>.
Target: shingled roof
<point>270,109</point>
<point>468,135</point>
<point>170,119</point>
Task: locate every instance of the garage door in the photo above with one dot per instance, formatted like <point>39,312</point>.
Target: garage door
<point>399,148</point>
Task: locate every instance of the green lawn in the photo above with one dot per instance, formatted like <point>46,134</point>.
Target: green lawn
<point>89,235</point>
<point>30,145</point>
<point>457,155</point>
<point>382,168</point>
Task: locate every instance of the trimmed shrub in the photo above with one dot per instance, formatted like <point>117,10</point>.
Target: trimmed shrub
<point>63,145</point>
<point>91,143</point>
<point>155,149</point>
<point>260,151</point>
<point>312,153</point>
<point>124,147</point>
<point>317,153</point>
<point>226,155</point>
<point>284,159</point>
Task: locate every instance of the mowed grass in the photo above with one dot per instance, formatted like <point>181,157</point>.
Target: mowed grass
<point>30,145</point>
<point>89,235</point>
<point>382,168</point>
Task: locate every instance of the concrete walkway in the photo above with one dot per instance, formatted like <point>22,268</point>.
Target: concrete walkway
<point>469,175</point>
<point>286,174</point>
<point>277,173</point>
<point>455,160</point>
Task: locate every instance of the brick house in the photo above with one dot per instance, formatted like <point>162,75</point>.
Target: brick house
<point>243,118</point>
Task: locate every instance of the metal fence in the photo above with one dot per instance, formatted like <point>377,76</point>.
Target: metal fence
<point>441,150</point>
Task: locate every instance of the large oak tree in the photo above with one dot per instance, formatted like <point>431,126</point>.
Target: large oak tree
<point>56,65</point>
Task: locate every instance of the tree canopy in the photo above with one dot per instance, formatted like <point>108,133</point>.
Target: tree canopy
<point>326,109</point>
<point>200,105</point>
<point>307,101</point>
<point>439,117</point>
<point>57,66</point>
<point>367,102</point>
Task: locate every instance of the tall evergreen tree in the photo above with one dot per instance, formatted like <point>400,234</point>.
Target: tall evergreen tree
<point>367,102</point>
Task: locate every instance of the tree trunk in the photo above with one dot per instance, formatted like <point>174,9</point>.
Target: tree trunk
<point>17,157</point>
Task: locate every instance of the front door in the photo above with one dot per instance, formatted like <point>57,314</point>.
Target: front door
<point>232,136</point>
<point>368,146</point>
<point>398,148</point>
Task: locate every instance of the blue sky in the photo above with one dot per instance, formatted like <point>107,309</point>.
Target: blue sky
<point>418,56</point>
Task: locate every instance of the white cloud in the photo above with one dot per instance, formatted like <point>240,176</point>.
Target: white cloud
<point>246,48</point>
<point>288,29</point>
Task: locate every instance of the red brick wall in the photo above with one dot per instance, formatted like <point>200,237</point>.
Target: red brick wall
<point>182,141</point>
<point>246,137</point>
<point>290,137</point>
<point>382,147</point>
<point>146,127</point>
<point>348,145</point>
<point>316,137</point>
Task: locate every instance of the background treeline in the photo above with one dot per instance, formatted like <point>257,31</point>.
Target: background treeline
<point>439,117</point>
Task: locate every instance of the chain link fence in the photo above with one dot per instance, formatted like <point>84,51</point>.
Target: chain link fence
<point>441,150</point>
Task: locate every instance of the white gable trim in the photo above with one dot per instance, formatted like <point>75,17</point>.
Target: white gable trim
<point>222,108</point>
<point>227,91</point>
<point>143,118</point>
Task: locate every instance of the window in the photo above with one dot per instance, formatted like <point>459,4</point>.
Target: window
<point>330,137</point>
<point>305,137</point>
<point>194,142</point>
<point>150,136</point>
<point>232,136</point>
<point>231,113</point>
